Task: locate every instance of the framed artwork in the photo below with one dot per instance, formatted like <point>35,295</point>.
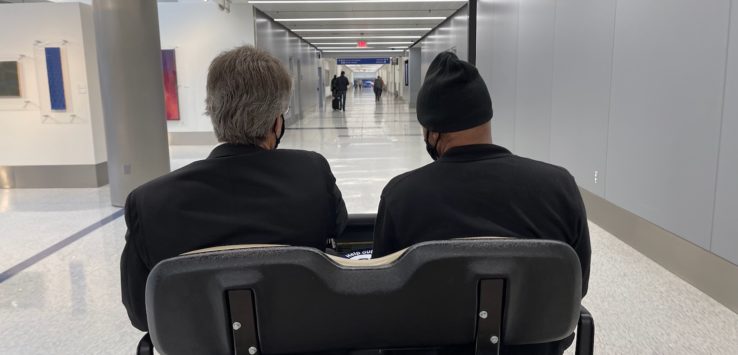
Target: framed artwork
<point>171,94</point>
<point>10,83</point>
<point>55,76</point>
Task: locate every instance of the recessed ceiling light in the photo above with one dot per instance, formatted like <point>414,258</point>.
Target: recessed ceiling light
<point>343,1</point>
<point>365,37</point>
<point>327,19</point>
<point>414,29</point>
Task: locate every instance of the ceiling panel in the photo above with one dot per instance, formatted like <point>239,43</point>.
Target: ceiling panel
<point>311,7</point>
<point>362,28</point>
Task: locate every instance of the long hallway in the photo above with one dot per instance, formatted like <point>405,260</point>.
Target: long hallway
<point>61,252</point>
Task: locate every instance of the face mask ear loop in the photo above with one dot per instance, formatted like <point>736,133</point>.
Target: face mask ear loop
<point>435,146</point>
<point>432,150</point>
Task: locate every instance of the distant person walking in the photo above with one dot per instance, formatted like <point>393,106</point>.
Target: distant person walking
<point>378,88</point>
<point>342,84</point>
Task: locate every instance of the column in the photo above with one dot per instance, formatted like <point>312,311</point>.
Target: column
<point>129,52</point>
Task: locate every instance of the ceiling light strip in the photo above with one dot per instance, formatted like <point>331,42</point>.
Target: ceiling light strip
<point>298,2</point>
<point>354,43</point>
<point>322,48</point>
<point>414,29</point>
<point>328,19</point>
<point>364,37</point>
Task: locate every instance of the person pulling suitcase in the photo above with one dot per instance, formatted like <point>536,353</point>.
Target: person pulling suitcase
<point>342,84</point>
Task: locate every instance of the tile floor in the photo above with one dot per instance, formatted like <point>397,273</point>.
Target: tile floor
<point>69,302</point>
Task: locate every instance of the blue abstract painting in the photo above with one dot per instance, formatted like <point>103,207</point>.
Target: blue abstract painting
<point>56,79</point>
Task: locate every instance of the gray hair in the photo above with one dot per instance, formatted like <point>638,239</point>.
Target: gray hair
<point>247,90</point>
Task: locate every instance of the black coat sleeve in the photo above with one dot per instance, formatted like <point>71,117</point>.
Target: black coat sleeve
<point>581,243</point>
<point>385,238</point>
<point>339,206</point>
<point>340,211</point>
<point>133,270</point>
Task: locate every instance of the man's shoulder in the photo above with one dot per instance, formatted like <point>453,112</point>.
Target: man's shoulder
<point>206,169</point>
<point>540,168</point>
<point>169,180</point>
<point>297,155</point>
<point>411,180</point>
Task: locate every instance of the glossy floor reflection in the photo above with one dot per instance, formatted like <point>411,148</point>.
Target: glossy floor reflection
<point>69,302</point>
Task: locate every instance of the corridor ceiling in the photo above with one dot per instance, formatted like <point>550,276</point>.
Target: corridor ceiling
<point>336,26</point>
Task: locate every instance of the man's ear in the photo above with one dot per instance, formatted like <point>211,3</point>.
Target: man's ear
<point>276,125</point>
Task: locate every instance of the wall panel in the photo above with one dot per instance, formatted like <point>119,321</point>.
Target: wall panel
<point>298,57</point>
<point>31,135</point>
<point>497,57</point>
<point>581,89</point>
<point>414,61</point>
<point>534,79</point>
<point>667,89</point>
<point>198,32</point>
<point>725,230</point>
<point>452,35</point>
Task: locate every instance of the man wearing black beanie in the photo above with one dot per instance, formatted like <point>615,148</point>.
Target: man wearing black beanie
<point>475,188</point>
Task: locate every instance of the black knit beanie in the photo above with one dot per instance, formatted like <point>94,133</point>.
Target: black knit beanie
<point>453,97</point>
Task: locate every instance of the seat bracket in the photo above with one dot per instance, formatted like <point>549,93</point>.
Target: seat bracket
<point>243,322</point>
<point>489,317</point>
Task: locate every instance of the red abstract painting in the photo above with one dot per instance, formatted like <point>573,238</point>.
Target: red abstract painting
<point>171,95</point>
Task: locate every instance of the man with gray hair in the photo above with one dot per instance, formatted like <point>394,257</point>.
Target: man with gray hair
<point>245,192</point>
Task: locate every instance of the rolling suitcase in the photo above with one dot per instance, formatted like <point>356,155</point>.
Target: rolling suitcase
<point>336,103</point>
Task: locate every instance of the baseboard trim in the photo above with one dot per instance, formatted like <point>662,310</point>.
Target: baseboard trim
<point>54,176</point>
<point>713,275</point>
<point>192,138</point>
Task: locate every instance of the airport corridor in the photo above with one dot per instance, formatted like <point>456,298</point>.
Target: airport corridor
<point>61,249</point>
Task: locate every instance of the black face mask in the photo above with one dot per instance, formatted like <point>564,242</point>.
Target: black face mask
<point>281,134</point>
<point>432,149</point>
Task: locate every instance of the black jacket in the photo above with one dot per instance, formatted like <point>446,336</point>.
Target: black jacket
<point>484,190</point>
<point>238,195</point>
<point>342,84</point>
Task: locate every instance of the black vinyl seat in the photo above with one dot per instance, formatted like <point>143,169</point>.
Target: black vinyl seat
<point>291,300</point>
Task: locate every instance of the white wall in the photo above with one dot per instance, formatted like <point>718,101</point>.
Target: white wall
<point>298,57</point>
<point>199,32</point>
<point>414,67</point>
<point>72,138</point>
<point>330,65</point>
<point>725,233</point>
<point>393,78</point>
<point>666,107</point>
<point>585,32</point>
<point>497,61</point>
<point>452,35</point>
<point>405,89</point>
<point>534,78</point>
<point>633,90</point>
